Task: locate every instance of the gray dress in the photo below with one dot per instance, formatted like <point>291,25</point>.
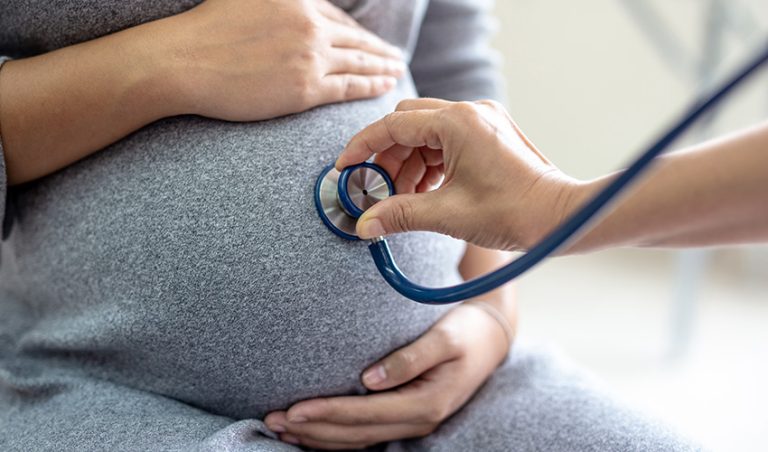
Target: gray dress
<point>169,291</point>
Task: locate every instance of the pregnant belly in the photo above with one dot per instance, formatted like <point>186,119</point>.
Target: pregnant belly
<point>188,260</point>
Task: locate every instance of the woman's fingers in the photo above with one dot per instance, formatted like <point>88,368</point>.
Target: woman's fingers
<point>322,434</point>
<point>345,87</point>
<point>354,61</point>
<point>321,445</point>
<point>411,404</point>
<point>359,38</point>
<point>411,361</point>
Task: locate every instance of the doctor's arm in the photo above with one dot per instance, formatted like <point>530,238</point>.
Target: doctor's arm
<point>712,194</point>
<point>501,192</point>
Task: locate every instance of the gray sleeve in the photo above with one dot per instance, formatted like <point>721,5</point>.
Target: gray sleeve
<point>3,177</point>
<point>453,58</point>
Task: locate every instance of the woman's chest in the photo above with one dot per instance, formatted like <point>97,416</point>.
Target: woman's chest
<point>33,27</point>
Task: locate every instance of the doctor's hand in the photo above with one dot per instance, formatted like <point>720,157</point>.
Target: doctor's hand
<point>494,188</point>
<point>416,388</point>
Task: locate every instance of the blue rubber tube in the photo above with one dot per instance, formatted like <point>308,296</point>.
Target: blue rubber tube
<point>385,263</point>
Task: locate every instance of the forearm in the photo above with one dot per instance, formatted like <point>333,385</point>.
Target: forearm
<point>712,194</point>
<point>59,107</point>
<point>479,261</point>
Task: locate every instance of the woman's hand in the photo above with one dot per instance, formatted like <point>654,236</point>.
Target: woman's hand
<point>247,61</point>
<point>495,190</point>
<point>227,59</point>
<point>418,387</point>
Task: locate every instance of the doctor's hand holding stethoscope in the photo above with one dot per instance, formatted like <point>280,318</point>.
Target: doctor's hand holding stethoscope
<point>467,170</point>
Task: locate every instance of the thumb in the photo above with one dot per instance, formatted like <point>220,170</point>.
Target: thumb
<point>409,362</point>
<point>401,213</point>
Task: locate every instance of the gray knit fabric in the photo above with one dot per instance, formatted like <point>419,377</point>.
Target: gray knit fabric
<point>169,291</point>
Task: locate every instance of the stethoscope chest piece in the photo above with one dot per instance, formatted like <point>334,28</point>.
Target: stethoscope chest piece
<point>341,197</point>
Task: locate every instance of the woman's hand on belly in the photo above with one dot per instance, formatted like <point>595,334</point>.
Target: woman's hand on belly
<point>418,387</point>
<point>225,59</point>
<point>248,61</point>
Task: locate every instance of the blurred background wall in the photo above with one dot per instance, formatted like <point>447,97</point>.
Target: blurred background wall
<point>683,335</point>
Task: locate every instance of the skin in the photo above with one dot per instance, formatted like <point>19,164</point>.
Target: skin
<point>209,61</point>
<point>711,194</point>
<point>416,388</point>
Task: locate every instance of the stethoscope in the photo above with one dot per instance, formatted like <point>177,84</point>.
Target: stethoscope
<point>342,197</point>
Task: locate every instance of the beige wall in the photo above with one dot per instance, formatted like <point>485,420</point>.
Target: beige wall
<point>588,86</point>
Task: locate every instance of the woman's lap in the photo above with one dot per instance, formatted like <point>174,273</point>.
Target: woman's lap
<point>532,402</point>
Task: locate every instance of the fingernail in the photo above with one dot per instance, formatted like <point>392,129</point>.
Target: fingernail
<point>372,228</point>
<point>297,419</point>
<point>374,375</point>
<point>290,439</point>
<point>277,428</point>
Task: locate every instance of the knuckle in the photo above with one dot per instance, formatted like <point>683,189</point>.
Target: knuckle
<point>362,60</point>
<point>402,214</point>
<point>305,90</point>
<point>426,430</point>
<point>308,58</point>
<point>406,360</point>
<point>365,417</point>
<point>404,104</point>
<point>464,111</point>
<point>494,105</point>
<point>324,407</point>
<point>435,415</point>
<point>394,121</point>
<point>352,86</point>
<point>359,38</point>
<point>307,28</point>
<point>448,340</point>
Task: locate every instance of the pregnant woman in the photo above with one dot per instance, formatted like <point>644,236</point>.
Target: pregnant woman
<point>165,283</point>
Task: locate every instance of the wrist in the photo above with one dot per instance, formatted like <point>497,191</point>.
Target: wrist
<point>555,197</point>
<point>156,75</point>
<point>509,327</point>
<point>580,194</point>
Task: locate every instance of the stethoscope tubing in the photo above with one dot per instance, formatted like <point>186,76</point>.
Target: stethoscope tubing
<point>389,270</point>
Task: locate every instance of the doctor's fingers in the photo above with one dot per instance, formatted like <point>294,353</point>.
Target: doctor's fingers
<point>424,103</point>
<point>412,129</point>
<point>407,212</point>
<point>432,178</point>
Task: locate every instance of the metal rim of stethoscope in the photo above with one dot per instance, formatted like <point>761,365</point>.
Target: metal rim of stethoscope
<point>551,243</point>
<point>341,197</point>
